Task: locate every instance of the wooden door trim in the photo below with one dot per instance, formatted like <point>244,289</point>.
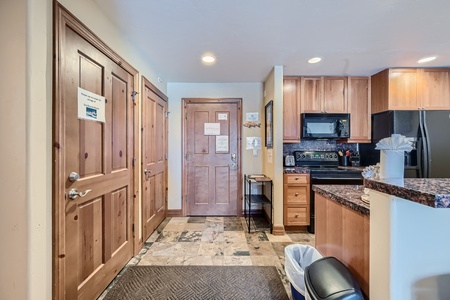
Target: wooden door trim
<point>62,18</point>
<point>186,101</point>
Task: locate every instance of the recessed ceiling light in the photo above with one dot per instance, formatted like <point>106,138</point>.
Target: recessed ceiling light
<point>208,59</point>
<point>426,59</point>
<point>314,60</point>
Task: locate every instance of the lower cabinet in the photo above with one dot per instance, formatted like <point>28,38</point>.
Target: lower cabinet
<point>296,193</point>
<point>343,233</point>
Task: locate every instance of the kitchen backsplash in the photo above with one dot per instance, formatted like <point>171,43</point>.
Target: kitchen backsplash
<point>325,145</point>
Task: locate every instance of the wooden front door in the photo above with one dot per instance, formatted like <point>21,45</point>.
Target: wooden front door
<point>154,152</point>
<point>93,174</point>
<point>211,169</point>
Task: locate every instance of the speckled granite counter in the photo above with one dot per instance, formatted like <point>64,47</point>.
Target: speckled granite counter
<point>295,170</point>
<point>433,192</point>
<point>347,195</point>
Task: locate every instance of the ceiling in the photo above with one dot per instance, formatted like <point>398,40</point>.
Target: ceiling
<point>249,37</point>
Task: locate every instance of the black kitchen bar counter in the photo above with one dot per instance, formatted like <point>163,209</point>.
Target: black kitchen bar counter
<point>347,195</point>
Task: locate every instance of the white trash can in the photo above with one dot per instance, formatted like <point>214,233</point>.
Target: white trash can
<point>297,258</point>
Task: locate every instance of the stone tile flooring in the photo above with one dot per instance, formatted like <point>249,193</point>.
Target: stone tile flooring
<point>219,241</point>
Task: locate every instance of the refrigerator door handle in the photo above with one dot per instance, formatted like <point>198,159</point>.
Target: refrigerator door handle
<point>419,157</point>
<point>427,145</point>
<point>424,148</point>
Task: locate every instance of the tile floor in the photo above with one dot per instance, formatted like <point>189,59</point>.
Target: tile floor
<point>215,241</point>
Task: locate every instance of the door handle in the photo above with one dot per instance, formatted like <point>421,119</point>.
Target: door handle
<point>74,193</point>
<point>74,176</point>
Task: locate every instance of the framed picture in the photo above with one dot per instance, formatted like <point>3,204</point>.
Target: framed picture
<point>269,124</point>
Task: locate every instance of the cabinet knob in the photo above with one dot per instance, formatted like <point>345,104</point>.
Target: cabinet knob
<point>296,216</point>
<point>296,194</point>
<point>296,178</point>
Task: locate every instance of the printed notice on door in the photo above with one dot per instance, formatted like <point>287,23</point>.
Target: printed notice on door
<point>222,143</point>
<point>212,129</point>
<point>90,106</point>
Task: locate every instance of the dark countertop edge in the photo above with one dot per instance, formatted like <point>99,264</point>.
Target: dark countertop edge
<point>364,210</point>
<point>427,199</point>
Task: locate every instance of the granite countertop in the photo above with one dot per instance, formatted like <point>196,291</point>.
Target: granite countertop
<point>295,170</point>
<point>433,192</point>
<point>347,195</point>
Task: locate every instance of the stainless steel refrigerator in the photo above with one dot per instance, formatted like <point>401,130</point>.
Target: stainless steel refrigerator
<point>428,130</point>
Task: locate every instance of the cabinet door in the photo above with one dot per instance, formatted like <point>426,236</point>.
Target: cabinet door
<point>403,89</point>
<point>311,94</point>
<point>359,103</point>
<point>297,216</point>
<point>291,110</point>
<point>297,195</point>
<point>435,88</point>
<point>334,95</point>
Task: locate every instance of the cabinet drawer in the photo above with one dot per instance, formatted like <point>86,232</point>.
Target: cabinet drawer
<point>297,195</point>
<point>296,216</point>
<point>297,178</point>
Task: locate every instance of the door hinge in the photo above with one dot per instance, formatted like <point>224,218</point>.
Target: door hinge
<point>186,116</point>
<point>167,114</point>
<point>133,95</point>
<point>132,227</point>
<point>133,161</point>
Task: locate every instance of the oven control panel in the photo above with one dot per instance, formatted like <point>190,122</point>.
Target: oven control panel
<point>316,158</point>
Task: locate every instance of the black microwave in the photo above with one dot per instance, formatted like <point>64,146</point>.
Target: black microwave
<point>325,126</point>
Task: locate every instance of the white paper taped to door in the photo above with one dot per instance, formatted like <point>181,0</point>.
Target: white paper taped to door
<point>212,129</point>
<point>91,106</point>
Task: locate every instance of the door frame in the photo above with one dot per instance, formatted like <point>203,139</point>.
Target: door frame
<point>207,101</point>
<point>62,18</point>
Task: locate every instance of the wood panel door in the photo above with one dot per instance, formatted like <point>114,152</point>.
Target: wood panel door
<point>154,158</point>
<point>291,109</point>
<point>335,95</point>
<point>435,88</point>
<point>211,169</point>
<point>93,174</point>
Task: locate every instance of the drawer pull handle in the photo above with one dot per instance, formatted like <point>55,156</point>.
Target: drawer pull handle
<point>296,194</point>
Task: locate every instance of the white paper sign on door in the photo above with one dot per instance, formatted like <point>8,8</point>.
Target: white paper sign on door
<point>90,106</point>
<point>222,116</point>
<point>212,129</point>
<point>222,143</point>
<point>253,142</point>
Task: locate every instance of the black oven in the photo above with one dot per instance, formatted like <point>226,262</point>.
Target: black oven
<point>324,169</point>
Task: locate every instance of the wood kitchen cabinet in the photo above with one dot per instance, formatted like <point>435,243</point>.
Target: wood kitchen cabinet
<point>323,94</point>
<point>296,195</point>
<point>345,234</point>
<point>411,89</point>
<point>291,109</point>
<point>359,109</point>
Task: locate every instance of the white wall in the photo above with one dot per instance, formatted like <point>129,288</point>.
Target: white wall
<point>13,159</point>
<point>408,250</point>
<point>251,94</point>
<point>273,167</point>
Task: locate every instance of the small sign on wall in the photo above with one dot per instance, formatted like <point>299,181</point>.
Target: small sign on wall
<point>91,106</point>
<point>222,116</point>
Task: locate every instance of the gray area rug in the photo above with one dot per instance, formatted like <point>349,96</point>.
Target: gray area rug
<point>198,282</point>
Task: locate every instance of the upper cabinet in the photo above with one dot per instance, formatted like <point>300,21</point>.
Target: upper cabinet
<point>291,109</point>
<point>359,109</point>
<point>323,94</point>
<point>330,95</point>
<point>411,89</point>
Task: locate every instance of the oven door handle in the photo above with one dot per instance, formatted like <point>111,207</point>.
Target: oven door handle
<point>335,178</point>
